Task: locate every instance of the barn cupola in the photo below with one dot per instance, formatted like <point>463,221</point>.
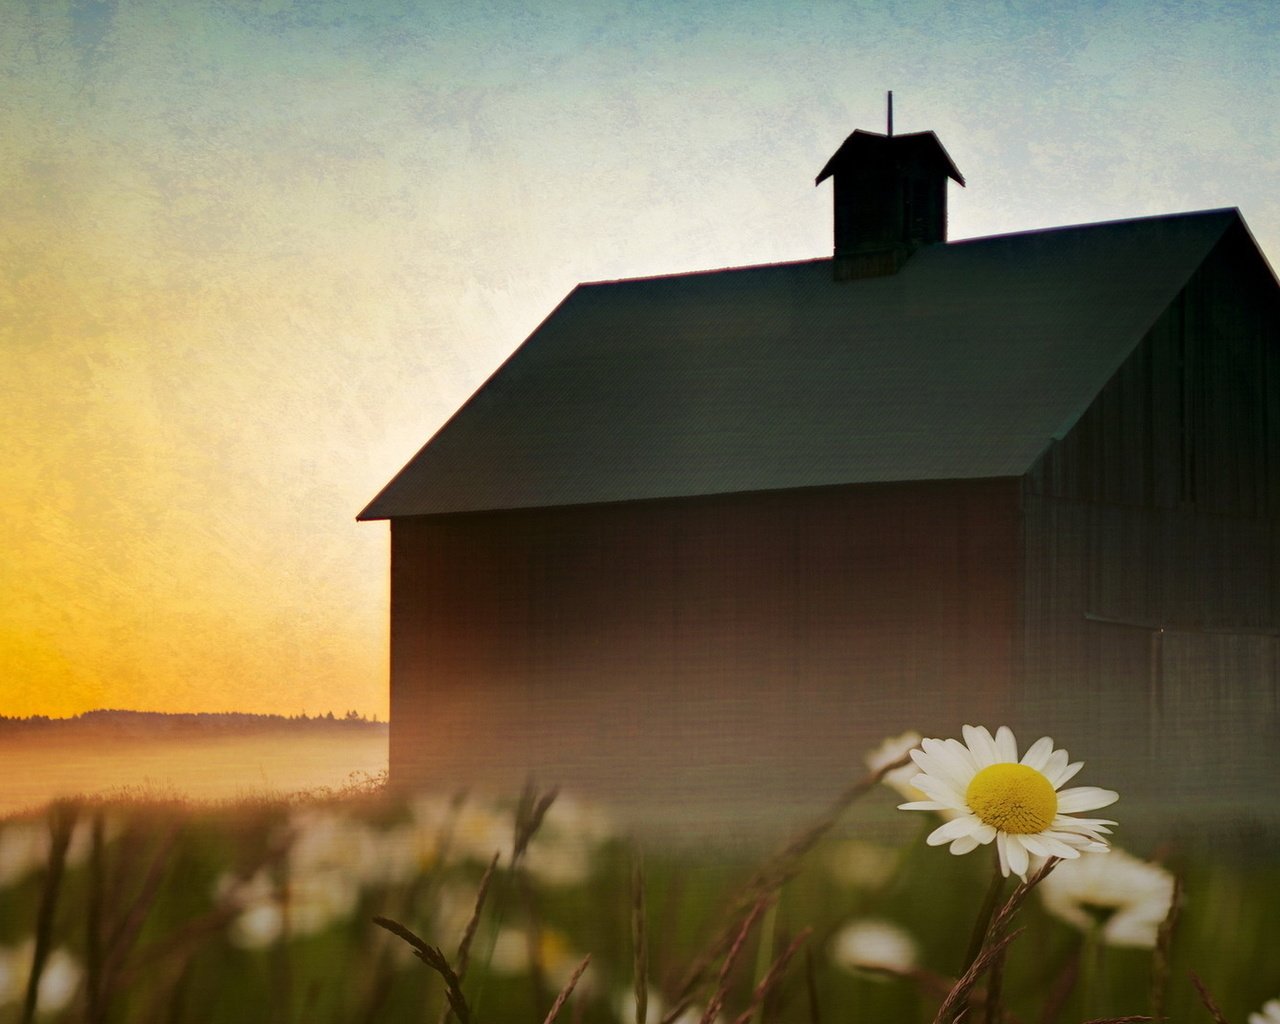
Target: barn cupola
<point>890,198</point>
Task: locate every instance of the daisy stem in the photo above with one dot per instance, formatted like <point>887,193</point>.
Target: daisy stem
<point>983,924</point>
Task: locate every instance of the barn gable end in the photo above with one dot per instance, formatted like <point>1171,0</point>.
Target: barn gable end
<point>703,539</point>
<point>1152,578</point>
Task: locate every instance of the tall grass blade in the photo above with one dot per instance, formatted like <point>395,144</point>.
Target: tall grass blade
<point>1210,1003</point>
<point>1160,957</point>
<point>433,958</point>
<point>639,940</point>
<point>772,977</point>
<point>62,820</point>
<point>567,991</point>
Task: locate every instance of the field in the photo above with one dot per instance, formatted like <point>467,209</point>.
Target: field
<point>150,754</point>
<point>264,910</point>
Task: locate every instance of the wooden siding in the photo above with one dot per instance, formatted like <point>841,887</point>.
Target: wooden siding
<point>736,655</point>
<point>1152,533</point>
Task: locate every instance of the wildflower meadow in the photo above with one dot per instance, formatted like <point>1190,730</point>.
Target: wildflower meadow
<point>1004,899</point>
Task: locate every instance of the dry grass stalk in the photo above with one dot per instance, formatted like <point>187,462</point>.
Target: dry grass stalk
<point>994,985</point>
<point>126,931</point>
<point>93,920</point>
<point>184,941</point>
<point>1019,896</point>
<point>716,1001</point>
<point>1209,1003</point>
<point>927,982</point>
<point>567,991</point>
<point>639,940</point>
<point>469,933</point>
<point>955,1005</point>
<point>772,976</point>
<point>1160,959</point>
<point>990,951</point>
<point>530,811</point>
<point>1140,1019</point>
<point>62,819</point>
<point>775,872</point>
<point>433,958</point>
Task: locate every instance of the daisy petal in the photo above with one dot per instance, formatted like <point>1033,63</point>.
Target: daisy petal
<point>924,805</point>
<point>938,789</point>
<point>1002,842</point>
<point>964,755</point>
<point>1053,767</point>
<point>1067,773</point>
<point>939,771</point>
<point>1006,745</point>
<point>964,845</point>
<point>1018,860</point>
<point>1098,824</point>
<point>1044,846</point>
<point>947,763</point>
<point>981,745</point>
<point>935,760</point>
<point>950,763</point>
<point>953,829</point>
<point>1085,798</point>
<point>1037,755</point>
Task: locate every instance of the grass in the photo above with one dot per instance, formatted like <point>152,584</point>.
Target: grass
<point>355,906</point>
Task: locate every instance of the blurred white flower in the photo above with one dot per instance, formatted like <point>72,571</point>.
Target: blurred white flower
<point>269,910</point>
<point>562,851</point>
<point>511,954</point>
<point>1270,1013</point>
<point>894,749</point>
<point>403,853</point>
<point>570,816</point>
<point>856,862</point>
<point>1127,896</point>
<point>58,981</point>
<point>871,942</point>
<point>258,926</point>
<point>325,841</point>
<point>479,831</point>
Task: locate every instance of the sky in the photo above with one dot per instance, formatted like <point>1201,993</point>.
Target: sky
<point>254,253</point>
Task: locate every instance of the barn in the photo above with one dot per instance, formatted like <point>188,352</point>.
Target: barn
<point>705,538</point>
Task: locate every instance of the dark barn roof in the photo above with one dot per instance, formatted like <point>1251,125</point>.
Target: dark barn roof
<point>965,364</point>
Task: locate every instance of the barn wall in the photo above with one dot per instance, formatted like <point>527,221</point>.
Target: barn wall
<point>1153,549</point>
<point>725,655</point>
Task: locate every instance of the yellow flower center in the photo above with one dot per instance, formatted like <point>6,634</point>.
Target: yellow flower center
<point>1012,798</point>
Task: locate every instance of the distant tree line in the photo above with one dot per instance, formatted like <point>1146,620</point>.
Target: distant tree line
<point>162,723</point>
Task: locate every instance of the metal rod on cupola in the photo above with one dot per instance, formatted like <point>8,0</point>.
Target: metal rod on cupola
<point>890,111</point>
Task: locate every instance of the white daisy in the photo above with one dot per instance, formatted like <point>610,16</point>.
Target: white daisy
<point>1270,1013</point>
<point>1016,803</point>
<point>871,943</point>
<point>1125,897</point>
